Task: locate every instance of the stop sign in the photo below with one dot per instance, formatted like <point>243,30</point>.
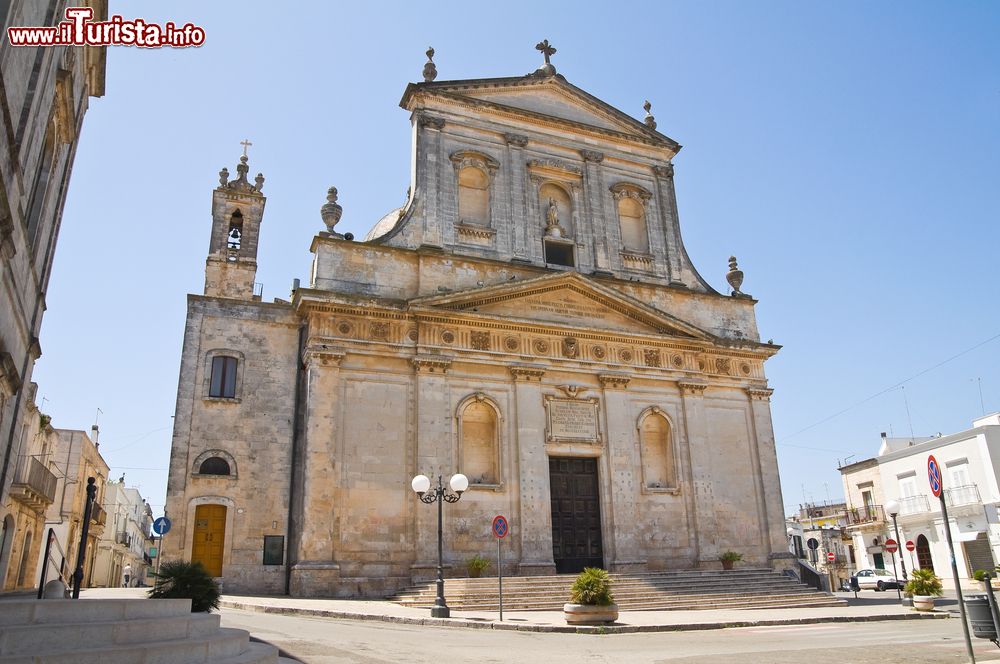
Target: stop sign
<point>831,556</point>
<point>910,546</point>
<point>891,546</point>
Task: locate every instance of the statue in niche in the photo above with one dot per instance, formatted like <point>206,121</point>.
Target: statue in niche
<point>552,227</point>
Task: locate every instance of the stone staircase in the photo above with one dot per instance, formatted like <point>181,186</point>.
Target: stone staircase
<point>121,631</point>
<point>679,590</point>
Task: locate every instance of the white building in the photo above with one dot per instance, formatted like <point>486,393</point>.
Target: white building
<point>127,542</point>
<point>970,466</point>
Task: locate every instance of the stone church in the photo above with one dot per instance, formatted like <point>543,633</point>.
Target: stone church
<point>529,318</point>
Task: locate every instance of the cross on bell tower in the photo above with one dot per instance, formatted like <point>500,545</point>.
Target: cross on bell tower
<point>237,212</point>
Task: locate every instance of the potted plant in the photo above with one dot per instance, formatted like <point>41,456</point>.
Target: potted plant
<point>178,579</point>
<point>924,585</point>
<point>477,565</point>
<point>591,601</point>
<point>729,558</point>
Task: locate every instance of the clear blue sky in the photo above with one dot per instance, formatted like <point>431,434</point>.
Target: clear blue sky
<point>847,153</point>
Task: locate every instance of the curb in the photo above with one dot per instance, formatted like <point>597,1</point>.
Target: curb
<point>566,629</point>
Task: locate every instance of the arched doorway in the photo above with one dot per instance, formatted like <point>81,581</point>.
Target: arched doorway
<point>924,554</point>
<point>209,537</point>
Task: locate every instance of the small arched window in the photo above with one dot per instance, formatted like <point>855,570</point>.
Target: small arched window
<point>473,196</point>
<point>479,439</point>
<point>214,466</point>
<point>657,451</point>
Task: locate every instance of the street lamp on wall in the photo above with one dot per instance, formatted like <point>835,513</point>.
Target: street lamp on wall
<point>422,487</point>
<point>892,507</point>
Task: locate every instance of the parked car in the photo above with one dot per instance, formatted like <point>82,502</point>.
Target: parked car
<point>876,579</point>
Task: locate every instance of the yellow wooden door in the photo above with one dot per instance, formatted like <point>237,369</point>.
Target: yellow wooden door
<point>209,537</point>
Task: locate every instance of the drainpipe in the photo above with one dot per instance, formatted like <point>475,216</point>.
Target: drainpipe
<point>293,479</point>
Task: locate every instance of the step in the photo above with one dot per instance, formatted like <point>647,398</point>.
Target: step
<point>257,653</point>
<point>224,643</point>
<point>43,611</point>
<point>40,638</point>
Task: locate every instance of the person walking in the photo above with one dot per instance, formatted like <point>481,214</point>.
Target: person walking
<point>127,573</point>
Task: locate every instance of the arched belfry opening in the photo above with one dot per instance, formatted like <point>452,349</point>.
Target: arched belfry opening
<point>234,235</point>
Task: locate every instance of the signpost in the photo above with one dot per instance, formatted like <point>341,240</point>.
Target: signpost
<point>937,488</point>
<point>161,526</point>
<point>892,546</point>
<point>910,546</point>
<point>500,530</point>
<point>830,557</point>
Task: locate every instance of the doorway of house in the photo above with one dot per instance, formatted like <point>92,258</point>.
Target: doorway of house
<point>209,537</point>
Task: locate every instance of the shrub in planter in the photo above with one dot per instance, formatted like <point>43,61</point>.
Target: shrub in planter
<point>477,565</point>
<point>591,601</point>
<point>924,585</point>
<point>728,558</point>
<point>178,579</point>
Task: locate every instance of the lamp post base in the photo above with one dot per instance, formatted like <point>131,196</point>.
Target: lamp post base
<point>440,612</point>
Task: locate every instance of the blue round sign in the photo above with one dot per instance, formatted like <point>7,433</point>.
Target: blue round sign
<point>934,476</point>
<point>161,526</point>
<point>500,528</point>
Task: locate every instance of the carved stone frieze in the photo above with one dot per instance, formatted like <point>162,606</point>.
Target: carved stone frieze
<point>430,122</point>
<point>511,344</point>
<point>599,352</point>
<point>479,340</point>
<point>629,190</point>
<point>526,373</point>
<point>555,165</point>
<point>592,155</point>
<point>379,331</point>
<point>614,380</point>
<point>626,355</point>
<point>570,347</point>
<point>572,391</point>
<point>692,387</point>
<point>516,140</point>
<point>431,363</point>
<point>540,346</point>
<point>651,356</point>
<point>448,337</point>
<point>466,158</point>
<point>473,232</point>
<point>723,365</point>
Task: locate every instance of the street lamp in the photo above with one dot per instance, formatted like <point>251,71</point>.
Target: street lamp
<point>421,485</point>
<point>892,507</point>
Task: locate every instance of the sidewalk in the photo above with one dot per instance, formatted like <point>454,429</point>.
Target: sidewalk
<point>868,607</point>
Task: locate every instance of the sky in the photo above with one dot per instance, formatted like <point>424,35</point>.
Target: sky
<point>847,153</point>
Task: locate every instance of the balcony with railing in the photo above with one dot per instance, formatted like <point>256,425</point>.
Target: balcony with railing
<point>967,494</point>
<point>98,515</point>
<point>867,514</point>
<point>34,485</point>
<point>123,537</point>
<point>913,505</point>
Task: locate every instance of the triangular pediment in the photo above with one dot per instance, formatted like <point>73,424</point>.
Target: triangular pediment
<point>543,96</point>
<point>569,300</point>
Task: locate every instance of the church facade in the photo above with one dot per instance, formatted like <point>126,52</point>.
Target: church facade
<point>528,318</point>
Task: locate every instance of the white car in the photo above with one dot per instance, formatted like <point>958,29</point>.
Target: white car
<point>877,579</point>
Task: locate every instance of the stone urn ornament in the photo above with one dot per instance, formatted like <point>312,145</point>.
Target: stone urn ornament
<point>735,276</point>
<point>331,212</point>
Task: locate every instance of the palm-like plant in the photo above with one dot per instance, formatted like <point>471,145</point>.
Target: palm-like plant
<point>592,587</point>
<point>178,579</point>
<point>925,583</point>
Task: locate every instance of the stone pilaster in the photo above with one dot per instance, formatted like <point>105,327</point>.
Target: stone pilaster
<point>434,160</point>
<point>518,188</point>
<point>668,222</point>
<point>625,473</point>
<point>769,484</point>
<point>316,570</point>
<point>594,192</point>
<point>535,521</point>
<point>702,500</point>
<point>434,452</point>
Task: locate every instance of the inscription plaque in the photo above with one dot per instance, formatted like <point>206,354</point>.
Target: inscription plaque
<point>572,420</point>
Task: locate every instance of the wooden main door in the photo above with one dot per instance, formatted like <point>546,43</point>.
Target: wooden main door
<point>576,514</point>
<point>209,537</point>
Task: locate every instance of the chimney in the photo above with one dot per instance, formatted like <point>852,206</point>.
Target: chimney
<point>94,434</point>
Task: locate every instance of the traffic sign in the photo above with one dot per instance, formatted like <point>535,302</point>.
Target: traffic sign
<point>152,552</point>
<point>161,526</point>
<point>934,476</point>
<point>500,527</point>
<point>831,556</point>
<point>910,546</point>
<point>891,545</point>
<point>812,543</point>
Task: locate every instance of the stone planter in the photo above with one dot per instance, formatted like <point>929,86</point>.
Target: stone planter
<point>588,614</point>
<point>923,603</point>
<point>727,564</point>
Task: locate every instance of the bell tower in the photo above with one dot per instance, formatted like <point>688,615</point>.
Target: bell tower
<point>237,210</point>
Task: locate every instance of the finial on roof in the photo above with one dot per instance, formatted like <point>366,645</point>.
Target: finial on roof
<point>331,212</point>
<point>242,169</point>
<point>259,182</point>
<point>650,120</point>
<point>548,50</point>
<point>430,71</point>
<point>735,276</point>
<point>223,177</point>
